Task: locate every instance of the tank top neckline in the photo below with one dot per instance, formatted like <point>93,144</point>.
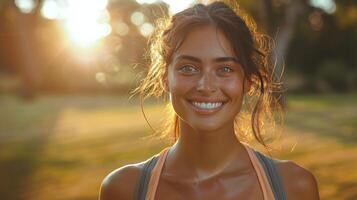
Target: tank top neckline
<point>259,170</point>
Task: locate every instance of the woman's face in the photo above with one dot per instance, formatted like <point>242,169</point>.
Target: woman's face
<point>205,81</point>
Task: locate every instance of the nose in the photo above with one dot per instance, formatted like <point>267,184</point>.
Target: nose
<point>206,84</point>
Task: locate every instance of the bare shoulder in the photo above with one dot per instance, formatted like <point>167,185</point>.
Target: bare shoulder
<point>121,183</point>
<point>299,183</point>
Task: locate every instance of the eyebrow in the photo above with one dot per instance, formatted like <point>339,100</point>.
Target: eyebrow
<point>195,59</point>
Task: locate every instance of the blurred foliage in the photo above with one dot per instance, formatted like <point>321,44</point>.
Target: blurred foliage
<point>318,47</point>
<point>334,75</point>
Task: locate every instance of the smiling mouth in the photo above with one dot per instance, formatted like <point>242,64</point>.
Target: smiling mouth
<point>206,107</point>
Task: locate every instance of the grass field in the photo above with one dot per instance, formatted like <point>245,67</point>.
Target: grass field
<point>61,147</point>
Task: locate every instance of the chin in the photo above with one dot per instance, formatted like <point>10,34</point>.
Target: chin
<point>206,127</point>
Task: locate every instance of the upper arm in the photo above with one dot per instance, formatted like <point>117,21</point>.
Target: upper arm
<point>120,184</point>
<point>298,182</point>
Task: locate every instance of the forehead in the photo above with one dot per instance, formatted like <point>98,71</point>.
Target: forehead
<point>205,42</point>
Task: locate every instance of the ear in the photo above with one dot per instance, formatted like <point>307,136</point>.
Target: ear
<point>165,83</point>
<point>247,85</point>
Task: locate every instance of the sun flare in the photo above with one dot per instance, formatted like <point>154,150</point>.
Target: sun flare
<point>84,21</point>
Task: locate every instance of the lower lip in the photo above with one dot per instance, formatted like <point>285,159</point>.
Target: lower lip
<point>205,111</point>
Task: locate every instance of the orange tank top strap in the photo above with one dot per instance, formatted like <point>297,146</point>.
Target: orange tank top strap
<point>262,176</point>
<point>155,175</point>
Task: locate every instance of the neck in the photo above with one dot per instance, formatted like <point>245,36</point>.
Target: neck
<point>201,154</point>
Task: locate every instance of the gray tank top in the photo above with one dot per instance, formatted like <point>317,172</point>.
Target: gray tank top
<point>267,163</point>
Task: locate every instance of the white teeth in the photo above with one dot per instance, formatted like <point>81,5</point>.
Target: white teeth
<point>207,106</point>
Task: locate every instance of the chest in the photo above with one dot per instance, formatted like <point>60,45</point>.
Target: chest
<point>231,187</point>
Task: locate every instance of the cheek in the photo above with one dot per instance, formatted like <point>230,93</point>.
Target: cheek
<point>179,85</point>
<point>175,89</point>
<point>233,88</point>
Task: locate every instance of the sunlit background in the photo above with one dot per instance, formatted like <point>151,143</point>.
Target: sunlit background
<point>87,21</point>
<point>67,67</point>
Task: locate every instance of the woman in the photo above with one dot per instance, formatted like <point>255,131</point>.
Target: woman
<point>208,59</point>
